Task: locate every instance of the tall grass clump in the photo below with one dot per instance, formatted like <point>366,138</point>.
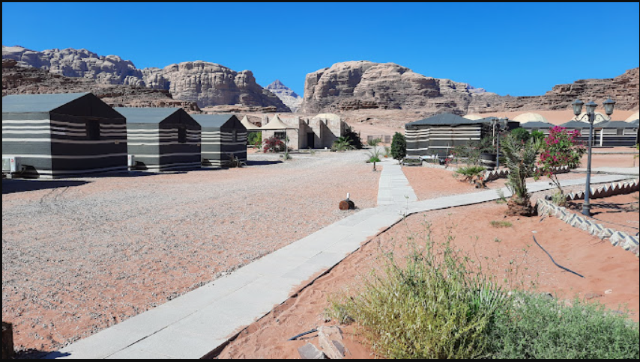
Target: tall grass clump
<point>536,326</point>
<point>428,305</point>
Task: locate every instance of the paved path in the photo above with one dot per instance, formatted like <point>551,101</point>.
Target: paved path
<point>611,170</point>
<point>196,323</point>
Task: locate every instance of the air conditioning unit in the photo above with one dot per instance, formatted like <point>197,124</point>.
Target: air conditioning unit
<point>11,164</point>
<point>131,160</point>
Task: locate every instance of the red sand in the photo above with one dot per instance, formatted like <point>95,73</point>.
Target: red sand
<point>610,272</point>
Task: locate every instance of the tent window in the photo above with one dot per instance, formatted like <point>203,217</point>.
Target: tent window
<point>93,130</point>
<point>182,134</point>
<point>279,135</point>
<point>620,131</point>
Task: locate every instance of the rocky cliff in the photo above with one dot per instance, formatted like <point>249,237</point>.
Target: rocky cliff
<point>17,79</point>
<point>207,84</point>
<point>366,85</point>
<point>286,95</point>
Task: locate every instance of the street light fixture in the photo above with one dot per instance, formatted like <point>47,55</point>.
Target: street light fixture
<point>591,116</point>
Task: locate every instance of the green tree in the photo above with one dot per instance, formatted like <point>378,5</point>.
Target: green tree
<point>520,157</point>
<point>539,135</point>
<point>398,146</point>
<point>521,134</point>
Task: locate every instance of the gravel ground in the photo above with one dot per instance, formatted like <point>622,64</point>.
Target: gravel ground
<point>81,255</point>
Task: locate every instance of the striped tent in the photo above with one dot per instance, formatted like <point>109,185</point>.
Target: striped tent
<point>63,135</point>
<point>616,134</point>
<point>223,136</point>
<point>439,134</point>
<point>162,139</point>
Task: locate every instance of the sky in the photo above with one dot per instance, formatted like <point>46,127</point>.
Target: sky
<point>519,49</point>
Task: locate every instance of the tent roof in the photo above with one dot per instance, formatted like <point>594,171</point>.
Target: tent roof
<point>617,124</point>
<point>34,103</point>
<point>634,122</point>
<point>275,124</point>
<point>248,125</point>
<point>575,125</point>
<point>536,124</point>
<point>444,119</point>
<point>146,114</point>
<point>212,120</point>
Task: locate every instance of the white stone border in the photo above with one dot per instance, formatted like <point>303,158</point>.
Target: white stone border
<point>615,188</point>
<point>503,173</point>
<point>617,238</point>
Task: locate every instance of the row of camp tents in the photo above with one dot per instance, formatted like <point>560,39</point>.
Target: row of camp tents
<point>75,134</point>
<point>439,134</point>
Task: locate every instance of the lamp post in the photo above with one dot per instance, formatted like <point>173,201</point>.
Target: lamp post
<point>591,117</point>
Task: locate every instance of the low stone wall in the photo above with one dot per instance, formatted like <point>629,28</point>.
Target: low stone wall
<point>616,188</point>
<point>617,238</point>
<point>503,173</point>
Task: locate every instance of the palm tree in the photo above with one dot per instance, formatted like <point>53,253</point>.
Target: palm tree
<point>520,157</point>
<point>342,144</point>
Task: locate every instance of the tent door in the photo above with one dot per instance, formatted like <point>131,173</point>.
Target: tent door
<point>310,140</point>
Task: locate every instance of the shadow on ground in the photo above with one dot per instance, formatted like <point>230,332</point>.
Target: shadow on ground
<point>20,185</point>
<point>262,163</point>
<point>37,354</point>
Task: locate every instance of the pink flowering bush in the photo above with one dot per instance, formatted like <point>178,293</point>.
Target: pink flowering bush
<point>559,148</point>
<point>273,144</point>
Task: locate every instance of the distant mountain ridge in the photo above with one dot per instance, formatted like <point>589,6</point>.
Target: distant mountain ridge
<point>207,84</point>
<point>286,95</point>
<point>356,85</point>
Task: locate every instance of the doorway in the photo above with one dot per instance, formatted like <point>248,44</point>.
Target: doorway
<point>311,140</point>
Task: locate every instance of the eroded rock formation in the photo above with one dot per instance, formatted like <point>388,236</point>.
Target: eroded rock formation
<point>286,95</point>
<point>18,79</point>
<point>366,85</point>
<point>207,84</point>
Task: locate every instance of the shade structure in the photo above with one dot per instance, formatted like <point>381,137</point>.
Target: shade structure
<point>249,126</point>
<point>530,117</point>
<point>275,124</point>
<point>473,117</point>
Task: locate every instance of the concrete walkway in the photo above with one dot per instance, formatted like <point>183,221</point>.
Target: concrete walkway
<point>634,171</point>
<point>196,323</point>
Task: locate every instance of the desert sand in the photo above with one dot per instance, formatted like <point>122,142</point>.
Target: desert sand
<point>611,275</point>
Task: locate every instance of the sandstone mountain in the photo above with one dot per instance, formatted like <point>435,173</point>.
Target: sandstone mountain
<point>358,85</point>
<point>18,79</point>
<point>286,95</point>
<point>207,84</point>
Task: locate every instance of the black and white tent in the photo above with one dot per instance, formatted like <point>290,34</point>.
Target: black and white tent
<point>162,139</point>
<point>616,134</point>
<point>223,135</point>
<point>439,134</point>
<point>63,135</point>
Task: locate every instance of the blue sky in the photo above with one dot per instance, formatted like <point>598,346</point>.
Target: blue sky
<point>514,48</point>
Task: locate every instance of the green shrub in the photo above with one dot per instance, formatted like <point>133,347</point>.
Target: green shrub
<point>521,134</point>
<point>374,142</point>
<point>255,138</point>
<point>342,144</point>
<point>398,146</point>
<point>537,135</point>
<point>536,326</point>
<point>431,308</point>
<point>469,172</point>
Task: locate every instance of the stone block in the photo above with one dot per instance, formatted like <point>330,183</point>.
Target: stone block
<point>605,233</point>
<point>309,351</point>
<point>617,238</point>
<point>330,339</point>
<point>595,228</point>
